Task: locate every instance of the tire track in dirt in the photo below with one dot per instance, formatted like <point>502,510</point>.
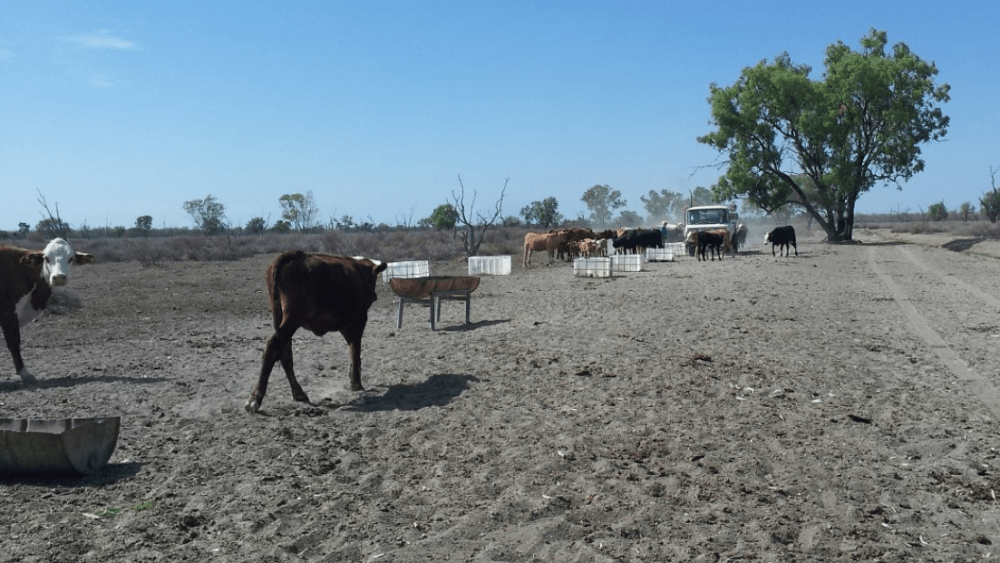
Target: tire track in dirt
<point>988,394</point>
<point>952,280</point>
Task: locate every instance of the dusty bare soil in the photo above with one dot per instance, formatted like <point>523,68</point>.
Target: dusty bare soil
<point>836,406</point>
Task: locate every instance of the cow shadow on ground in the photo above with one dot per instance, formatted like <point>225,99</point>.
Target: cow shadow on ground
<point>436,391</point>
<point>470,326</point>
<point>72,381</point>
<point>109,474</point>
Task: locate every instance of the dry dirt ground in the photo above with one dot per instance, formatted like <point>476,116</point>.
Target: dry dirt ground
<point>836,406</point>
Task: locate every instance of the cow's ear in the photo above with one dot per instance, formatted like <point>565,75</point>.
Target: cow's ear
<point>81,258</point>
<point>381,266</point>
<point>33,258</point>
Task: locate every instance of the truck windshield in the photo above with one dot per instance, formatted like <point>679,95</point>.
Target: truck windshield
<point>707,217</point>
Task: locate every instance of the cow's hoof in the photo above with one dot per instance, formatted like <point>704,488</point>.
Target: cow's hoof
<point>252,406</point>
<point>26,377</point>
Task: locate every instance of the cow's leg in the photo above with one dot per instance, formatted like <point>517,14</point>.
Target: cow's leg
<point>272,352</point>
<point>279,347</point>
<point>353,338</point>
<point>287,364</point>
<point>12,334</point>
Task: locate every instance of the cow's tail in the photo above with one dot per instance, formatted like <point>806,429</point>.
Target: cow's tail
<point>274,283</point>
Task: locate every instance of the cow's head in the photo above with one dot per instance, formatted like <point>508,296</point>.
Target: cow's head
<point>377,267</point>
<point>56,259</point>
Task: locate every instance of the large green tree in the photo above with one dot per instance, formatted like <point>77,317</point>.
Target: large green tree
<point>861,125</point>
<point>662,205</point>
<point>602,202</point>
<point>544,213</point>
<point>443,217</point>
<point>299,210</point>
<point>208,214</point>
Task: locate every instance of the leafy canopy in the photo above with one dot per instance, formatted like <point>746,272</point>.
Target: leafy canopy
<point>791,140</point>
<point>209,214</point>
<point>299,210</point>
<point>544,213</point>
<point>602,201</point>
<point>444,217</point>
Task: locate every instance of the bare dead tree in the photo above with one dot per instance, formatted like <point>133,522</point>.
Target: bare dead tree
<point>990,202</point>
<point>406,221</point>
<point>472,239</point>
<point>51,224</point>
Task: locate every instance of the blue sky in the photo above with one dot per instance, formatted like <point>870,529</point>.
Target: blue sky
<point>117,109</point>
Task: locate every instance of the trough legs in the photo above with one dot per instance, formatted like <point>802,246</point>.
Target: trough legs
<point>434,304</point>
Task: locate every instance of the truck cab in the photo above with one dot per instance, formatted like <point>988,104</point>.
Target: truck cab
<point>710,218</point>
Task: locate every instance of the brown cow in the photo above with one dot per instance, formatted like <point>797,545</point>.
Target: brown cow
<point>26,281</point>
<point>320,293</point>
<point>548,242</point>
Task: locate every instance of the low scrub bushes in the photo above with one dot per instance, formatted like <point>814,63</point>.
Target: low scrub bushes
<point>390,246</point>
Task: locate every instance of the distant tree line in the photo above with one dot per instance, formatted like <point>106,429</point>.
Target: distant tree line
<point>299,213</point>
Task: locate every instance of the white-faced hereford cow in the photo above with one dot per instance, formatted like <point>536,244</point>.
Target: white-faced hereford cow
<point>784,238</point>
<point>26,281</point>
<point>320,293</point>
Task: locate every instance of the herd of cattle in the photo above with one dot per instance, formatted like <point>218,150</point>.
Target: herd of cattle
<point>322,293</point>
<point>576,242</point>
<point>566,244</point>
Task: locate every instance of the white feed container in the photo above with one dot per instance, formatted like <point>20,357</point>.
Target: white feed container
<point>592,267</point>
<point>627,262</point>
<point>678,248</point>
<point>493,265</point>
<point>659,255</point>
<point>408,269</point>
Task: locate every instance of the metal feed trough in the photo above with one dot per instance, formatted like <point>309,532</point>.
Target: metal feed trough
<point>67,445</point>
<point>430,291</point>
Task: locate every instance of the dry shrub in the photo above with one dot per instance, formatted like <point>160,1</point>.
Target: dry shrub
<point>503,240</point>
<point>976,229</point>
<point>390,246</point>
<point>984,229</point>
<point>394,246</point>
<point>919,228</point>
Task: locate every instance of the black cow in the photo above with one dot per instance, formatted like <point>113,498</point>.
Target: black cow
<point>784,238</point>
<point>320,293</point>
<point>637,240</point>
<point>713,242</point>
